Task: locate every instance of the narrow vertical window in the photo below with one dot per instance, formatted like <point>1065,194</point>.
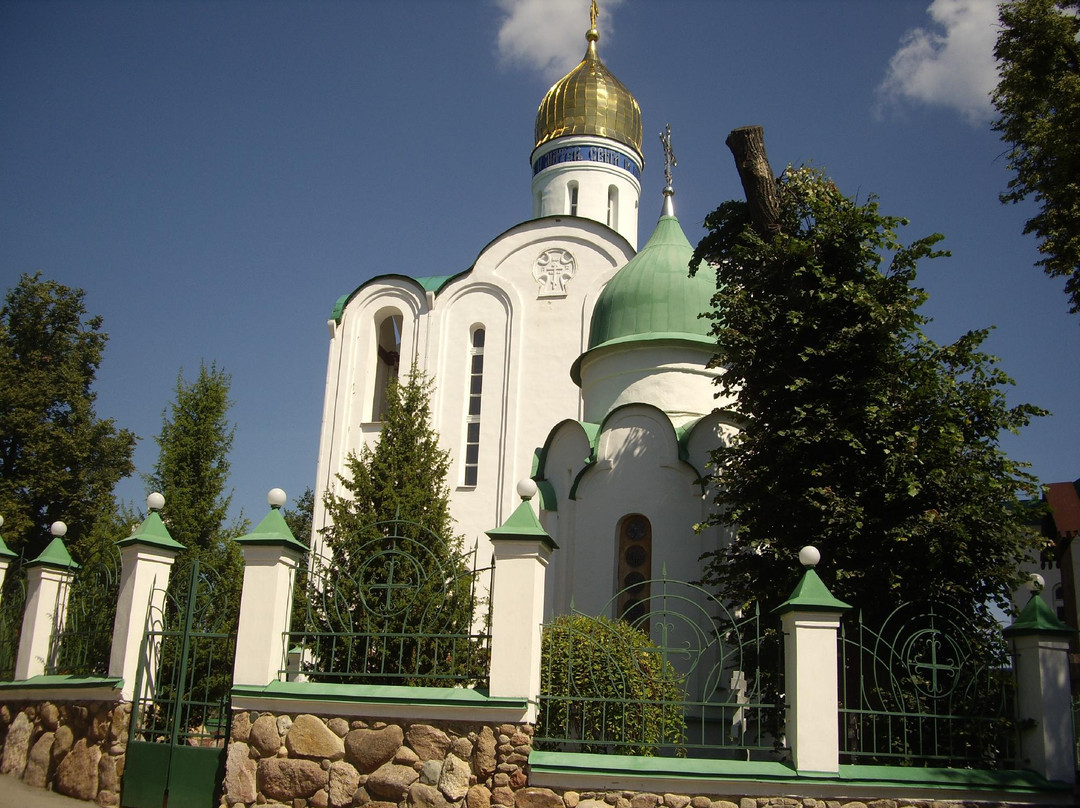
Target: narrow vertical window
<point>572,188</point>
<point>472,417</point>
<point>634,567</point>
<point>387,362</point>
<point>613,207</point>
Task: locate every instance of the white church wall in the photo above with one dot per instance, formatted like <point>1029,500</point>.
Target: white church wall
<point>350,395</point>
<point>567,450</point>
<point>669,375</point>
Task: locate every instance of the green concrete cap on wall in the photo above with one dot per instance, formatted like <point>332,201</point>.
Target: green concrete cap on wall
<point>522,524</point>
<point>1038,618</point>
<point>273,530</point>
<point>55,555</point>
<point>653,296</point>
<point>5,551</point>
<point>811,595</point>
<point>152,532</point>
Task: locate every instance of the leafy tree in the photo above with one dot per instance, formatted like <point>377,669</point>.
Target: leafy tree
<point>861,435</point>
<point>1038,98</point>
<point>395,583</point>
<point>58,460</point>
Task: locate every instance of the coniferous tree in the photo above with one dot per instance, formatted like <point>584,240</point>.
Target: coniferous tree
<point>192,472</point>
<point>58,460</point>
<point>393,555</point>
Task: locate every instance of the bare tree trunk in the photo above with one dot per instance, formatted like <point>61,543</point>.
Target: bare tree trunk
<point>747,145</point>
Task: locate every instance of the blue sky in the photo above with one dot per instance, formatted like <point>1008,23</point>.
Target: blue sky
<point>216,174</point>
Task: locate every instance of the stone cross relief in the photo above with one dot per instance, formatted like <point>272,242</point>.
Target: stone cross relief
<point>553,270</point>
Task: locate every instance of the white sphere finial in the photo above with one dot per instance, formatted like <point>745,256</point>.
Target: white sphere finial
<point>1,521</point>
<point>526,488</point>
<point>58,529</point>
<point>1035,583</point>
<point>809,556</point>
<point>276,498</point>
<point>155,502</point>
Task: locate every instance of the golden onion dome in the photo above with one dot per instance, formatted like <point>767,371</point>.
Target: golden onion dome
<point>589,100</point>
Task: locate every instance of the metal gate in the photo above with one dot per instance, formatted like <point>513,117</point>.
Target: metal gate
<point>180,709</point>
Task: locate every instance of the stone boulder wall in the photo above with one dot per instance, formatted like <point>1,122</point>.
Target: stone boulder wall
<point>303,760</point>
<point>76,748</point>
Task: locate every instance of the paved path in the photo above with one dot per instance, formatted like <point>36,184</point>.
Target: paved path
<point>14,793</point>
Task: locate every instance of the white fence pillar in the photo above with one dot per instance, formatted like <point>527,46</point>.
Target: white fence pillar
<point>48,582</point>
<point>147,556</point>
<point>522,549</point>
<point>811,622</point>
<point>1040,643</point>
<point>271,555</point>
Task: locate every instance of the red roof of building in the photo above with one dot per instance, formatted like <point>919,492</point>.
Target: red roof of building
<point>1064,501</point>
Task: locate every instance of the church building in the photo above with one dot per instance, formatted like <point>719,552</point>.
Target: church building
<point>563,354</point>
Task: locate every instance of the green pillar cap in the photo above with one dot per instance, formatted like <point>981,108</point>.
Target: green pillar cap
<point>811,595</point>
<point>5,551</point>
<point>1038,618</point>
<point>55,555</point>
<point>273,529</point>
<point>522,524</point>
<point>152,532</point>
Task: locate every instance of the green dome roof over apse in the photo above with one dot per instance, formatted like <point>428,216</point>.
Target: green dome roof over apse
<point>653,296</point>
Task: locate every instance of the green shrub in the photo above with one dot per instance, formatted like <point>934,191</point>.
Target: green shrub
<point>605,688</point>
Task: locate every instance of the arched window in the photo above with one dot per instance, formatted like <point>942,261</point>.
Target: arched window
<point>613,207</point>
<point>572,193</point>
<point>1059,601</point>
<point>388,360</point>
<point>634,567</point>
<point>472,410</point>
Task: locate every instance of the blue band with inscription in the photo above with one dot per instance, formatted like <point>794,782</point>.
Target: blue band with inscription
<point>588,154</point>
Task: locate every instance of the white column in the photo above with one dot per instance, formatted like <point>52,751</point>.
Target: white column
<point>810,619</point>
<point>265,607</point>
<point>143,581</point>
<point>1044,706</point>
<point>1040,643</point>
<point>271,555</point>
<point>522,549</point>
<point>47,591</point>
<point>811,687</point>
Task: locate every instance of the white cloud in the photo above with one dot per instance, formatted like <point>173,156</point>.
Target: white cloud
<point>949,64</point>
<point>548,35</point>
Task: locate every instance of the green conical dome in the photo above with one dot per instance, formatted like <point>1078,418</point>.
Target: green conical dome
<point>653,296</point>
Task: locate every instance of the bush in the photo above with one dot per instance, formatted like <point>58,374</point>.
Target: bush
<point>604,688</point>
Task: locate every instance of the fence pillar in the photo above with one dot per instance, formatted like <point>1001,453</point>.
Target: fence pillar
<point>522,549</point>
<point>1040,643</point>
<point>271,555</point>
<point>48,583</point>
<point>810,619</point>
<point>5,560</point>
<point>147,556</point>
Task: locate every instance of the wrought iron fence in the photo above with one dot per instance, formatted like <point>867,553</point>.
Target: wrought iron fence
<point>12,606</point>
<point>929,687</point>
<point>405,607</point>
<point>684,676</point>
<point>81,641</point>
<point>186,660</point>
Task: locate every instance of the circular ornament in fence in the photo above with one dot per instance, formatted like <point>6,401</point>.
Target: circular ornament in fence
<point>932,658</point>
<point>395,580</point>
